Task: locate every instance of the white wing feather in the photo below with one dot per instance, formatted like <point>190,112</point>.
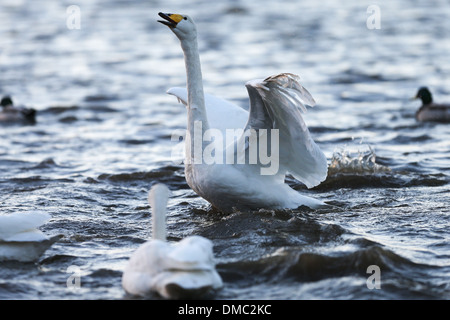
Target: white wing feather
<point>222,114</point>
<point>276,103</point>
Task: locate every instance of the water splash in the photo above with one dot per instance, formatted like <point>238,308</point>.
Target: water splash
<point>343,161</point>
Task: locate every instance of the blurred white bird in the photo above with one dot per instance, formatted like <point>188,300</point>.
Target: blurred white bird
<point>174,270</point>
<point>276,104</point>
<point>20,239</point>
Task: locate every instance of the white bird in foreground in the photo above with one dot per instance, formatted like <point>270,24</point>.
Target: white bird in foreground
<point>175,270</point>
<point>237,174</point>
<point>20,239</point>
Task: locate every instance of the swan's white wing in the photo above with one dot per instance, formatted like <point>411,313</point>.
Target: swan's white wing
<point>22,226</point>
<point>275,103</point>
<point>221,114</point>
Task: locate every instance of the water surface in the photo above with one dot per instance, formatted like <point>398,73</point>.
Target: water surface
<point>103,137</point>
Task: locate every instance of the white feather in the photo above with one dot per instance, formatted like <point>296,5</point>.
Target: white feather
<point>284,99</point>
<point>222,114</point>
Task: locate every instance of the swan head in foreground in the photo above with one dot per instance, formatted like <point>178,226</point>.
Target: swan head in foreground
<point>174,270</point>
<point>20,240</point>
<point>239,173</point>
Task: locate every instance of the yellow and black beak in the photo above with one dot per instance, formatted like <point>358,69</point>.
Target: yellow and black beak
<point>171,20</point>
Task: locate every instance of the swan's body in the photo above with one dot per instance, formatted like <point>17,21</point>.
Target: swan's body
<point>181,270</point>
<point>275,104</point>
<point>11,114</point>
<point>430,111</point>
<point>20,239</point>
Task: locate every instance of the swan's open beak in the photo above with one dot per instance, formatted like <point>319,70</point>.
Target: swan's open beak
<point>171,20</point>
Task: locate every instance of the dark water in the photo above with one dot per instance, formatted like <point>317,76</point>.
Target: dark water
<point>104,125</point>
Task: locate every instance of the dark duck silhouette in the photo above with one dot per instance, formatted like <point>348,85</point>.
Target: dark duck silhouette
<point>11,114</point>
<point>430,111</point>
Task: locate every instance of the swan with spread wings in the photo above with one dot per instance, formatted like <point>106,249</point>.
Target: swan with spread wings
<point>276,105</point>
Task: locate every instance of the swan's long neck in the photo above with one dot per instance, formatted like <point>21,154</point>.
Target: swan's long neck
<point>158,202</point>
<point>197,117</point>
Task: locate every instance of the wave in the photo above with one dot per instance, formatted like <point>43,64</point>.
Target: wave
<point>351,75</point>
<point>361,170</point>
<point>298,265</point>
<point>357,181</point>
<point>63,109</point>
<point>136,141</point>
<point>59,109</point>
<point>171,175</point>
<point>346,274</point>
<point>45,164</point>
<point>38,179</point>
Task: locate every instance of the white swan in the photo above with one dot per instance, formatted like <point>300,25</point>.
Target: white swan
<point>181,270</point>
<point>20,239</point>
<point>237,181</point>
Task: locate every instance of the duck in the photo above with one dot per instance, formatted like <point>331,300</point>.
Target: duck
<point>176,270</point>
<point>11,114</point>
<point>239,177</point>
<point>430,111</point>
<point>20,238</point>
